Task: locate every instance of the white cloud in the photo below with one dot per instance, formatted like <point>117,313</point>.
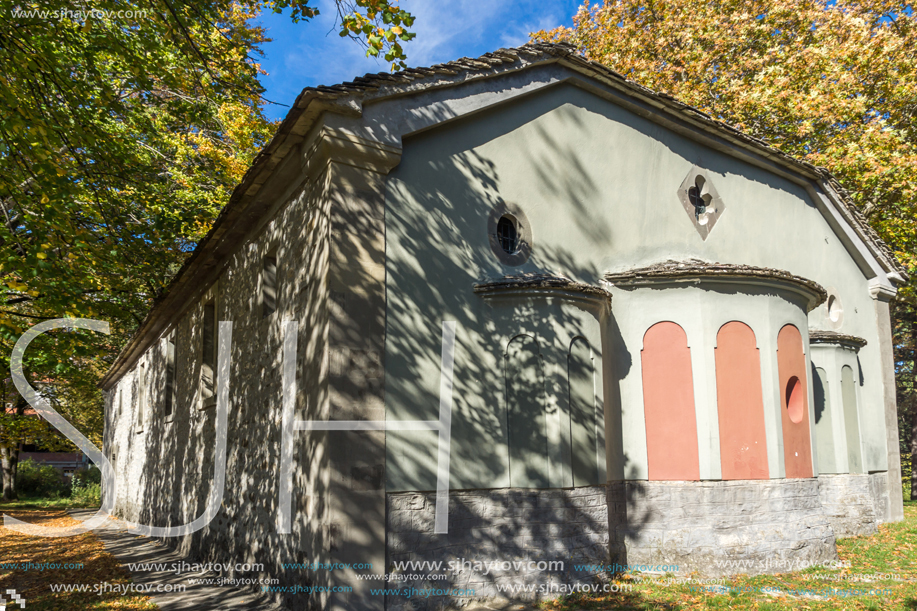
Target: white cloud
<point>310,54</point>
<point>447,29</point>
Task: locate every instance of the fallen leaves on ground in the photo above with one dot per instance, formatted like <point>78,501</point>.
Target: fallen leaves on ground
<point>892,550</point>
<point>99,568</point>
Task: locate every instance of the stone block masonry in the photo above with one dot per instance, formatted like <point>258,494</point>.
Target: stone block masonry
<point>720,528</point>
<point>529,529</point>
<point>849,503</point>
<point>878,487</point>
<point>716,528</point>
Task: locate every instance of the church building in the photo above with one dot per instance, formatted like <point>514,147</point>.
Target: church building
<point>515,308</point>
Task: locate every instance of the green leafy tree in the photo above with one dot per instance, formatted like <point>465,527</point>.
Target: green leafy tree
<point>123,130</point>
<point>905,337</point>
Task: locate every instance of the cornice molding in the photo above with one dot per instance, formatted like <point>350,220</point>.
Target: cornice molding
<point>339,146</point>
<point>526,286</point>
<point>880,291</point>
<point>817,336</point>
<point>698,272</point>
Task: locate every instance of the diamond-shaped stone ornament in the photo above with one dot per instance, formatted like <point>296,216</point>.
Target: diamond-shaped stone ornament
<point>701,201</point>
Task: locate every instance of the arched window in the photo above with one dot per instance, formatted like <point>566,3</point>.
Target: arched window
<point>740,403</point>
<point>526,419</point>
<point>794,392</point>
<point>668,404</point>
<point>583,413</point>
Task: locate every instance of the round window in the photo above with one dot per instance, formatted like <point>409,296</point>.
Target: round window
<point>508,234</point>
<point>794,400</point>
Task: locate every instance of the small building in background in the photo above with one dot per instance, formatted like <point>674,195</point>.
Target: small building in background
<point>67,462</point>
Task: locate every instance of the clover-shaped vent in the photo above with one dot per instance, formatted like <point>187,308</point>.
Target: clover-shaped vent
<point>701,201</point>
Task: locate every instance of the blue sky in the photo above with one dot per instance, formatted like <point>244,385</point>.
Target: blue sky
<point>311,53</point>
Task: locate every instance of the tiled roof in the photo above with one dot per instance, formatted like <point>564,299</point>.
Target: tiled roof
<point>695,268</point>
<point>347,97</point>
<point>28,411</point>
<point>832,337</point>
<point>539,282</point>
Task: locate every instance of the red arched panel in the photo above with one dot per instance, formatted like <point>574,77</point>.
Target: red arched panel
<point>794,400</point>
<point>668,404</point>
<point>740,403</point>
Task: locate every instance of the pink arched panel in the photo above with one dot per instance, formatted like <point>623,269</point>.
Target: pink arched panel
<point>794,399</point>
<point>740,403</point>
<point>668,403</point>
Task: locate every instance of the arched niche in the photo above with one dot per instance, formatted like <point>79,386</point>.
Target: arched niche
<point>851,420</point>
<point>740,403</point>
<point>525,414</point>
<point>794,393</point>
<point>585,412</point>
<point>824,421</point>
<point>668,400</point>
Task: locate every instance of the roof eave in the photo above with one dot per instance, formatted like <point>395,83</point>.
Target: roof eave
<point>348,99</point>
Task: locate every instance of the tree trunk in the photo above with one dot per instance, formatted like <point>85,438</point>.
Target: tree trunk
<point>9,457</point>
<point>914,451</point>
<point>914,414</point>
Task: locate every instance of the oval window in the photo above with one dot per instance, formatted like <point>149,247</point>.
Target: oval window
<point>508,234</point>
<point>794,400</point>
<point>834,309</point>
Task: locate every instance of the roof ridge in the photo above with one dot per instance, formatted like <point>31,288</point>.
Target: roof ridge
<point>528,54</point>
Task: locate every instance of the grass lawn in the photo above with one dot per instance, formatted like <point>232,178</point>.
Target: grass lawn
<point>98,566</point>
<point>892,550</point>
<point>25,502</point>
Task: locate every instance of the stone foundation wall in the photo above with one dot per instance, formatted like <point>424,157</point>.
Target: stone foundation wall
<point>878,487</point>
<point>721,527</point>
<point>849,504</point>
<point>518,526</point>
<point>716,528</point>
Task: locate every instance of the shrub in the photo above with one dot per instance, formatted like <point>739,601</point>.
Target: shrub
<point>37,479</point>
<point>92,475</point>
<point>906,475</point>
<point>86,487</point>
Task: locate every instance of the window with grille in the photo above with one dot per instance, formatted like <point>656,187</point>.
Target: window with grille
<point>209,341</point>
<point>269,286</point>
<point>508,234</point>
<point>170,376</point>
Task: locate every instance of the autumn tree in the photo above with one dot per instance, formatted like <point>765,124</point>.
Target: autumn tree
<point>123,130</point>
<point>833,82</point>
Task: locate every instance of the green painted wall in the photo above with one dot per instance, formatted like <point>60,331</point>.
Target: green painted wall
<point>851,419</point>
<point>598,185</point>
<point>824,422</point>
